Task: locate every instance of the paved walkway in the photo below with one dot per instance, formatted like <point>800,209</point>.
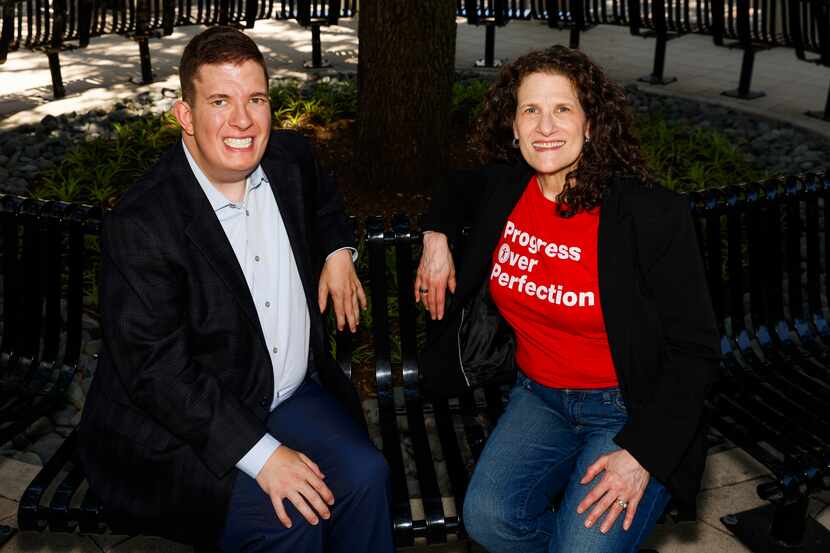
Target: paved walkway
<point>97,76</point>
<point>101,72</point>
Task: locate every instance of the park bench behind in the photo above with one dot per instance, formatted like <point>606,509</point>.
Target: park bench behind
<point>761,242</point>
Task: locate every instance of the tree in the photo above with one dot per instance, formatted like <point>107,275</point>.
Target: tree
<point>405,75</point>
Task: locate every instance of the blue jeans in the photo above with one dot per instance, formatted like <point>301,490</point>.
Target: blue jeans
<point>541,447</point>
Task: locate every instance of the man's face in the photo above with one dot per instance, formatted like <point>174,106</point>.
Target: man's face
<point>227,122</point>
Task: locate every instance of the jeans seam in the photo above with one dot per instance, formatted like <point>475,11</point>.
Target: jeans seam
<point>642,530</point>
<point>532,488</point>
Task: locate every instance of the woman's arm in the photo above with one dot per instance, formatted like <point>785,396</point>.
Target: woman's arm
<point>454,201</point>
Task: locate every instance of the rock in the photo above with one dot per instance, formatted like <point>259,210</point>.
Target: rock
<point>75,395</point>
<point>40,427</point>
<point>46,447</point>
<point>88,322</point>
<point>92,347</point>
<point>16,185</point>
<point>28,458</point>
<point>64,431</point>
<point>119,116</point>
<point>68,416</point>
<point>50,122</point>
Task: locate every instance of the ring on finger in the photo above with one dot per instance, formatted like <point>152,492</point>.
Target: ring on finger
<point>423,290</point>
<point>622,503</point>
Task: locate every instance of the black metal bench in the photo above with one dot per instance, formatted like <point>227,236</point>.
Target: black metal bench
<point>58,499</point>
<point>492,14</point>
<point>412,431</point>
<point>39,25</point>
<point>810,33</point>
<point>43,273</point>
<point>762,244</point>
<point>318,13</point>
<point>567,14</point>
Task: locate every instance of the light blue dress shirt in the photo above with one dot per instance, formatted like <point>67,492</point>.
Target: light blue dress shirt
<point>257,235</point>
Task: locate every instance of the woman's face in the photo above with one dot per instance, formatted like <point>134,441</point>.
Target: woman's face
<point>550,126</point>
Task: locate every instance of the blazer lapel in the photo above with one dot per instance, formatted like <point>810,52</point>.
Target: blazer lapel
<point>205,232</point>
<point>615,253</point>
<point>507,190</point>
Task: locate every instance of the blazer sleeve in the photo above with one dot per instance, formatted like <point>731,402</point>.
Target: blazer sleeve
<point>144,320</point>
<point>331,228</point>
<point>455,202</point>
<point>659,432</point>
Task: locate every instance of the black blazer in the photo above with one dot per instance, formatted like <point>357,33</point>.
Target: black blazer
<point>657,310</point>
<point>184,381</point>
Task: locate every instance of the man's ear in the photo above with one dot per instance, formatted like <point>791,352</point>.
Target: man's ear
<point>184,115</point>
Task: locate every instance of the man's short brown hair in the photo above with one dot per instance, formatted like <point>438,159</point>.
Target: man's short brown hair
<point>216,45</point>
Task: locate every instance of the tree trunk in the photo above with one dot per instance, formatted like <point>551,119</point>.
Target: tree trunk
<point>405,75</point>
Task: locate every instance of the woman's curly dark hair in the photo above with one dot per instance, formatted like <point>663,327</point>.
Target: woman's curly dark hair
<point>613,148</point>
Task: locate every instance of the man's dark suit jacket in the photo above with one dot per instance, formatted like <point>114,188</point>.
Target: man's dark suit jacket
<point>657,311</point>
<point>185,382</point>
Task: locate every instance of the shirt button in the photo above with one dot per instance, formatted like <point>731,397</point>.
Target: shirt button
<point>267,304</point>
<point>275,350</point>
<point>256,258</point>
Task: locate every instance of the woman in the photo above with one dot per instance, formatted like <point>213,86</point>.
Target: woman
<point>597,272</point>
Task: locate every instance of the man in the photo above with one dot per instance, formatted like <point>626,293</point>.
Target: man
<point>205,421</point>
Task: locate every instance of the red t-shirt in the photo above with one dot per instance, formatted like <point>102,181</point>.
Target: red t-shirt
<point>544,282</point>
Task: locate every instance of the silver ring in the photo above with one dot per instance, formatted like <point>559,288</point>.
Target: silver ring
<point>623,504</point>
<point>423,290</point>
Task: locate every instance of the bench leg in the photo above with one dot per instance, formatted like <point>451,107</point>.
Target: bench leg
<point>489,49</point>
<point>743,92</point>
<point>820,115</point>
<point>779,527</point>
<point>58,91</point>
<point>656,76</point>
<point>317,61</point>
<point>144,56</point>
<point>6,533</point>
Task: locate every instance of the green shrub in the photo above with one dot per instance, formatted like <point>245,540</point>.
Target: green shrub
<point>468,99</point>
<point>687,158</point>
<point>322,103</point>
<point>98,171</point>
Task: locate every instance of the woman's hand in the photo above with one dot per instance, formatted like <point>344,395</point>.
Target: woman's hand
<point>436,274</point>
<point>624,480</point>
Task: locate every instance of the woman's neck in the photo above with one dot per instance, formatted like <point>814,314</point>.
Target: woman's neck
<point>550,185</point>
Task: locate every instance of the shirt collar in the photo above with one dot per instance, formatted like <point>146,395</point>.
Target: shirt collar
<point>217,199</point>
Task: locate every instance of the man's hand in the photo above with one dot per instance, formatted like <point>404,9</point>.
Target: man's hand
<point>624,480</point>
<point>436,274</point>
<point>339,279</point>
<point>288,474</point>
